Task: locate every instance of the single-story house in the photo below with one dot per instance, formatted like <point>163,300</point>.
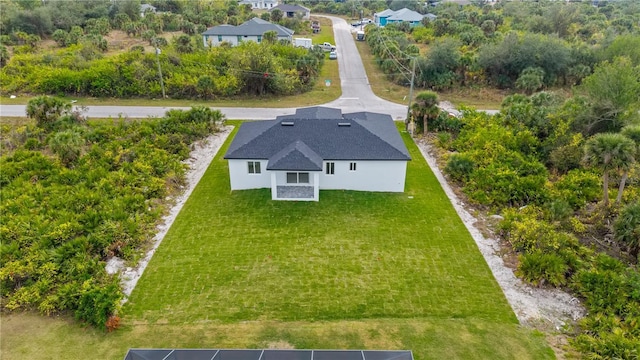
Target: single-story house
<point>403,15</point>
<point>145,8</point>
<point>318,148</point>
<point>251,30</point>
<point>290,11</point>
<point>260,4</point>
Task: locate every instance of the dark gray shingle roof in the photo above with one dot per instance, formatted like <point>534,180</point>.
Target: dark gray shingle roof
<point>355,136</point>
<point>296,156</point>
<point>289,8</point>
<point>253,27</point>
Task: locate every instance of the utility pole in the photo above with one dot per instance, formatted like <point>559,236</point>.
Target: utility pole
<point>413,77</point>
<point>160,72</point>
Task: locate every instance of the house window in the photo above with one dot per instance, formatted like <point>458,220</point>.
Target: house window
<point>259,38</point>
<point>239,38</point>
<point>219,37</point>
<point>297,178</point>
<point>254,167</point>
<point>330,168</point>
<point>352,166</point>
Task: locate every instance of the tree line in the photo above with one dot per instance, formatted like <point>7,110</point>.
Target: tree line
<point>528,46</point>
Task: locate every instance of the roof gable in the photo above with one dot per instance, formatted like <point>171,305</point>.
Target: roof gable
<point>406,15</point>
<point>290,8</point>
<point>385,13</point>
<point>296,156</point>
<point>253,27</point>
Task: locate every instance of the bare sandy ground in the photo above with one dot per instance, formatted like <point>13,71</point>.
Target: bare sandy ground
<point>533,306</point>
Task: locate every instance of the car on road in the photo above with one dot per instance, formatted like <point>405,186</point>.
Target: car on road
<point>333,55</point>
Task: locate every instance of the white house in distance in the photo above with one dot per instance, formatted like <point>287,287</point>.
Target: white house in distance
<point>251,30</point>
<point>260,4</point>
<point>315,149</point>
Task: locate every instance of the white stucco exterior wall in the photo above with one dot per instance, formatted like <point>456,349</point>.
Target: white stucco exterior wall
<point>242,180</point>
<point>388,176</point>
<point>233,39</point>
<point>368,176</point>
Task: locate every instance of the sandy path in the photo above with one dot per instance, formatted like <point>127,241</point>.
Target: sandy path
<point>201,156</point>
<point>533,306</point>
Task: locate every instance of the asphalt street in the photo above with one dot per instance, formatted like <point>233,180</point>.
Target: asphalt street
<point>356,92</point>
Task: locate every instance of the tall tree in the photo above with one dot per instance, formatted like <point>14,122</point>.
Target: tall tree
<point>609,151</point>
<point>613,91</point>
<point>276,15</point>
<point>426,107</point>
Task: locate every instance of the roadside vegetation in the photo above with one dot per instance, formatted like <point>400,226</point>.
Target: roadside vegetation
<point>564,177</point>
<point>79,60</point>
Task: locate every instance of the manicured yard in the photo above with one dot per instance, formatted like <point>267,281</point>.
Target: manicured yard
<point>355,270</point>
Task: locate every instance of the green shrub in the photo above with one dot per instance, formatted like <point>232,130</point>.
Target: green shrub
<point>627,228</point>
<point>578,187</point>
<point>96,304</point>
<point>459,167</point>
<point>539,268</point>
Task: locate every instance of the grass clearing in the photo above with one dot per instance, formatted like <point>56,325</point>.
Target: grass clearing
<point>479,98</point>
<point>355,270</point>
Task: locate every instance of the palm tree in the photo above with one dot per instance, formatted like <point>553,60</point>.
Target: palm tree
<point>609,151</point>
<point>67,145</point>
<point>426,107</point>
<point>46,110</point>
<point>633,133</point>
<point>270,37</point>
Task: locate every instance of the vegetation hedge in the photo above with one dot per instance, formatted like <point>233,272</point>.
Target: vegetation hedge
<point>63,218</point>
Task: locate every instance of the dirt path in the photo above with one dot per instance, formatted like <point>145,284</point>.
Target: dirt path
<point>540,308</point>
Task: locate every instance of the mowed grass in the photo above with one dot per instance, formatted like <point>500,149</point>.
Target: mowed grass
<point>355,270</point>
<point>235,256</point>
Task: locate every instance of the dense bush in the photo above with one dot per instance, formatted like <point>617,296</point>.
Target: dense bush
<point>61,223</point>
<point>81,70</point>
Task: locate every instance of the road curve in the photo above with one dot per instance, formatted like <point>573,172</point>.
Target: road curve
<point>356,91</point>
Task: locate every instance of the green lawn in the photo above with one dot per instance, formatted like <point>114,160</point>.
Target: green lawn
<point>355,270</point>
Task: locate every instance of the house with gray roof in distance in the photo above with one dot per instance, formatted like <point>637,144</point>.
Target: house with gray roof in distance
<point>291,10</point>
<point>260,4</point>
<point>403,15</point>
<point>318,148</point>
<point>145,8</point>
<point>251,30</point>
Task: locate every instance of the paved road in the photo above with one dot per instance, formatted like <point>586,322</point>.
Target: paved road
<point>356,92</point>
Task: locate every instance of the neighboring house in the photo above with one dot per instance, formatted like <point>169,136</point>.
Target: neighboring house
<point>380,18</point>
<point>251,30</point>
<point>260,4</point>
<point>291,10</point>
<point>430,16</point>
<point>403,15</point>
<point>145,8</point>
<point>315,149</point>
